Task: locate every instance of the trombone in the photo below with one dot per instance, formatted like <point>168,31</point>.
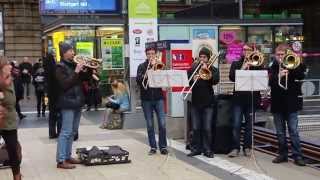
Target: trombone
<point>159,65</point>
<point>290,61</point>
<point>255,58</point>
<point>204,73</point>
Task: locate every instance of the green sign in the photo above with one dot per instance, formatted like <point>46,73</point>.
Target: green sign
<point>112,53</point>
<point>85,49</point>
<point>143,8</point>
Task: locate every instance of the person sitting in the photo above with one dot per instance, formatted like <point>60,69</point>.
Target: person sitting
<point>117,103</point>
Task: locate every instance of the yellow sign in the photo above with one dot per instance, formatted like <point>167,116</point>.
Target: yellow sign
<point>113,42</point>
<point>57,38</point>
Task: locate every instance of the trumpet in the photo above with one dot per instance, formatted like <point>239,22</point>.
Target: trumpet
<point>204,73</point>
<point>291,60</point>
<point>158,65</point>
<point>88,62</point>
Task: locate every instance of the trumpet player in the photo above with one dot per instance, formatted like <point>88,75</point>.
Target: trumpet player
<point>70,101</point>
<point>152,100</point>
<point>202,107</point>
<point>285,104</point>
<point>243,104</point>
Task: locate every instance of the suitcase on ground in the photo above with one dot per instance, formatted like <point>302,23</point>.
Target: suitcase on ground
<point>102,155</point>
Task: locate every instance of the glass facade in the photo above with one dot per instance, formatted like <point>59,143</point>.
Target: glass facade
<point>102,42</point>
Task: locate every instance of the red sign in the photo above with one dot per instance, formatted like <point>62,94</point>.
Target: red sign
<point>181,60</point>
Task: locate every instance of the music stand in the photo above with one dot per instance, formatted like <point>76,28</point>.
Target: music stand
<point>168,78</point>
<point>251,80</point>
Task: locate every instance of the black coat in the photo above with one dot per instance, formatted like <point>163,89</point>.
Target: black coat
<point>17,82</point>
<point>49,66</point>
<point>202,91</point>
<point>149,93</point>
<point>26,67</point>
<point>243,97</point>
<point>289,100</point>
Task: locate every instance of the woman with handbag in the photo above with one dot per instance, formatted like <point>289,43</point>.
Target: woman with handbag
<point>117,103</point>
<point>8,119</point>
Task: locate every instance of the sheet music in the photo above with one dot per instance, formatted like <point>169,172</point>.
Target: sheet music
<point>168,78</point>
<point>253,80</point>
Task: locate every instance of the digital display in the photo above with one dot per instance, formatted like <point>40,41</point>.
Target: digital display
<point>78,6</point>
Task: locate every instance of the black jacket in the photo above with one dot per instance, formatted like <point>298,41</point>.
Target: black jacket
<point>26,71</point>
<point>289,100</point>
<point>70,87</point>
<point>202,91</point>
<point>243,97</point>
<point>39,80</point>
<point>18,86</point>
<point>149,94</point>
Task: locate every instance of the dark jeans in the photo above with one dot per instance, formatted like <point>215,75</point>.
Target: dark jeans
<point>27,88</point>
<point>18,108</point>
<point>240,111</point>
<point>54,121</point>
<point>40,102</point>
<point>93,98</point>
<point>13,148</point>
<point>202,120</point>
<point>148,108</point>
<point>291,120</point>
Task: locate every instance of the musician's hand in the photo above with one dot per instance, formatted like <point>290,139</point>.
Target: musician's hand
<point>204,65</point>
<point>246,65</point>
<point>195,77</point>
<point>153,61</point>
<point>283,72</point>
<point>79,67</point>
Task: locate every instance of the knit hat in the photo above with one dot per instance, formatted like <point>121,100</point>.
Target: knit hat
<point>64,47</point>
<point>205,51</point>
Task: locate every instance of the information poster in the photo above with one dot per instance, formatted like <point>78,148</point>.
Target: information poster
<point>112,53</point>
<point>84,49</point>
<point>142,29</point>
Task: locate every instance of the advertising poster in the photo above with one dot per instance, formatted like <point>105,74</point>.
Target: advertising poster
<point>181,60</point>
<point>204,38</point>
<point>57,37</point>
<point>112,53</point>
<point>234,51</point>
<point>142,29</point>
<point>84,49</point>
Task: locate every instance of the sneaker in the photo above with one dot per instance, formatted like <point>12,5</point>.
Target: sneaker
<point>280,159</point>
<point>234,153</point>
<point>208,154</point>
<point>152,152</point>
<point>299,162</point>
<point>164,151</point>
<point>247,152</point>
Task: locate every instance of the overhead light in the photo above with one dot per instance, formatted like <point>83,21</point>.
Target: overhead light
<point>110,28</point>
<point>229,27</point>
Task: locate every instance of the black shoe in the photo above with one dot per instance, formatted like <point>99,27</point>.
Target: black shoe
<point>21,116</point>
<point>43,114</point>
<point>152,152</point>
<point>193,153</point>
<point>280,159</point>
<point>164,151</point>
<point>53,136</point>
<point>299,162</point>
<point>208,154</point>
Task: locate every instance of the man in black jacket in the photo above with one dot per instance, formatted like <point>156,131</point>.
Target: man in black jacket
<point>26,72</point>
<point>70,102</point>
<point>285,104</point>
<point>243,107</point>
<point>202,107</point>
<point>152,100</point>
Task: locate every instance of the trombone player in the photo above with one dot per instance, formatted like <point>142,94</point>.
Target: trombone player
<point>202,104</point>
<point>285,101</point>
<point>152,100</point>
<point>242,101</point>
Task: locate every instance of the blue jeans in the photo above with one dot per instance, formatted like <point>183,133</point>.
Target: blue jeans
<point>202,124</point>
<point>240,111</point>
<point>70,124</point>
<point>280,121</point>
<point>148,108</point>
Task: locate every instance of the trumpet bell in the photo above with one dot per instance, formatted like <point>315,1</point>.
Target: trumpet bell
<point>89,62</point>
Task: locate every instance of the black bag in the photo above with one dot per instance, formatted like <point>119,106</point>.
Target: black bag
<point>112,105</point>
